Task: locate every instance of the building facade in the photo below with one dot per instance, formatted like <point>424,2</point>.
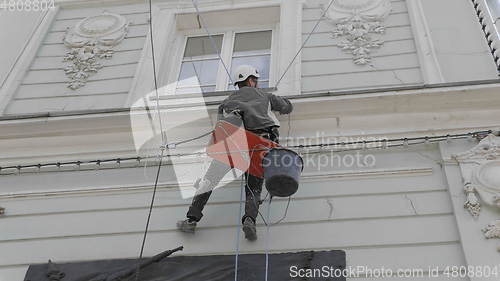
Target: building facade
<point>396,92</point>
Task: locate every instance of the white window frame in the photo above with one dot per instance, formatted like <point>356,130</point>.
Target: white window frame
<point>229,35</point>
<point>169,46</point>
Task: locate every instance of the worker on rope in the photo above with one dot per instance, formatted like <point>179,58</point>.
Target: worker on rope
<point>255,109</point>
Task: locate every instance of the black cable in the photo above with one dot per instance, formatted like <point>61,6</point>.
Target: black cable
<point>151,37</point>
<point>286,211</point>
<point>430,139</point>
<point>149,214</point>
<point>202,23</point>
<point>153,196</point>
<point>266,223</point>
<point>190,140</point>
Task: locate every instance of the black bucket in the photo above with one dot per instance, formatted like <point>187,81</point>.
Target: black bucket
<point>282,169</point>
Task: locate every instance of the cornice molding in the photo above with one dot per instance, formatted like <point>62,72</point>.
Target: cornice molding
<point>307,177</point>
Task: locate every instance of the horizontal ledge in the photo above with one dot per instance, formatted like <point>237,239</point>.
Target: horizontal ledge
<point>90,80</point>
<point>207,94</point>
<point>259,225</point>
<point>318,8</point>
<point>170,185</point>
<point>363,71</point>
<point>125,38</point>
<point>122,14</point>
<point>64,30</point>
<point>315,20</point>
<point>278,199</point>
<point>62,69</point>
<point>386,27</point>
<point>211,203</point>
<point>71,96</point>
<point>372,56</point>
<point>115,51</point>
<point>333,45</point>
<point>422,86</point>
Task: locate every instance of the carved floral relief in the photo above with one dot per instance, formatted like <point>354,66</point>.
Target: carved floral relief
<point>356,22</point>
<point>90,42</point>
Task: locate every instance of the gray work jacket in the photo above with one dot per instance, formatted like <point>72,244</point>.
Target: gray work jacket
<point>256,107</point>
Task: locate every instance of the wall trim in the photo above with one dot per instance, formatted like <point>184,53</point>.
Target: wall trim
<point>170,185</point>
<point>429,64</point>
<point>19,69</point>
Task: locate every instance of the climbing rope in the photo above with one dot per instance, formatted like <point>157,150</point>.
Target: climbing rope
<point>202,23</point>
<point>268,237</point>
<point>149,215</point>
<point>238,233</point>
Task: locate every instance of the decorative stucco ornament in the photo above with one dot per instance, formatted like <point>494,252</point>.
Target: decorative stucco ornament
<point>480,168</point>
<point>91,40</point>
<point>356,21</point>
<point>492,230</point>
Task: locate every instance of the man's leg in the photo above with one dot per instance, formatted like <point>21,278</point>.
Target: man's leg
<point>204,186</point>
<point>195,211</point>
<point>253,190</point>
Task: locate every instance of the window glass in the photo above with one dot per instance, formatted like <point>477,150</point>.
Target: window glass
<point>253,48</point>
<point>200,65</point>
<point>202,46</point>
<point>202,72</point>
<point>252,43</point>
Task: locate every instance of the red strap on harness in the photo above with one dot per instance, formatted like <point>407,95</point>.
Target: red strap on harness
<point>239,148</point>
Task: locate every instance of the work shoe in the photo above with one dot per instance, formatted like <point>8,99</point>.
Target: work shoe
<point>249,229</point>
<point>187,225</point>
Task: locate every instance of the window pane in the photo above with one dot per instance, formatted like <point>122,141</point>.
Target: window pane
<point>202,46</point>
<point>252,42</point>
<point>264,84</point>
<point>260,62</point>
<point>197,73</point>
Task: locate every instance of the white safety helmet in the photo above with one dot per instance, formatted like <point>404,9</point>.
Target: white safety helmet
<point>245,71</point>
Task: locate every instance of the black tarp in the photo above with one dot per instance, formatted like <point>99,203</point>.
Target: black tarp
<point>193,268</point>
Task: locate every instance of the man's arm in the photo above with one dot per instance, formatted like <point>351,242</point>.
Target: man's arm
<point>280,104</point>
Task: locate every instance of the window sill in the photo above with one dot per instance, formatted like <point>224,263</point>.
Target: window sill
<point>204,95</point>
